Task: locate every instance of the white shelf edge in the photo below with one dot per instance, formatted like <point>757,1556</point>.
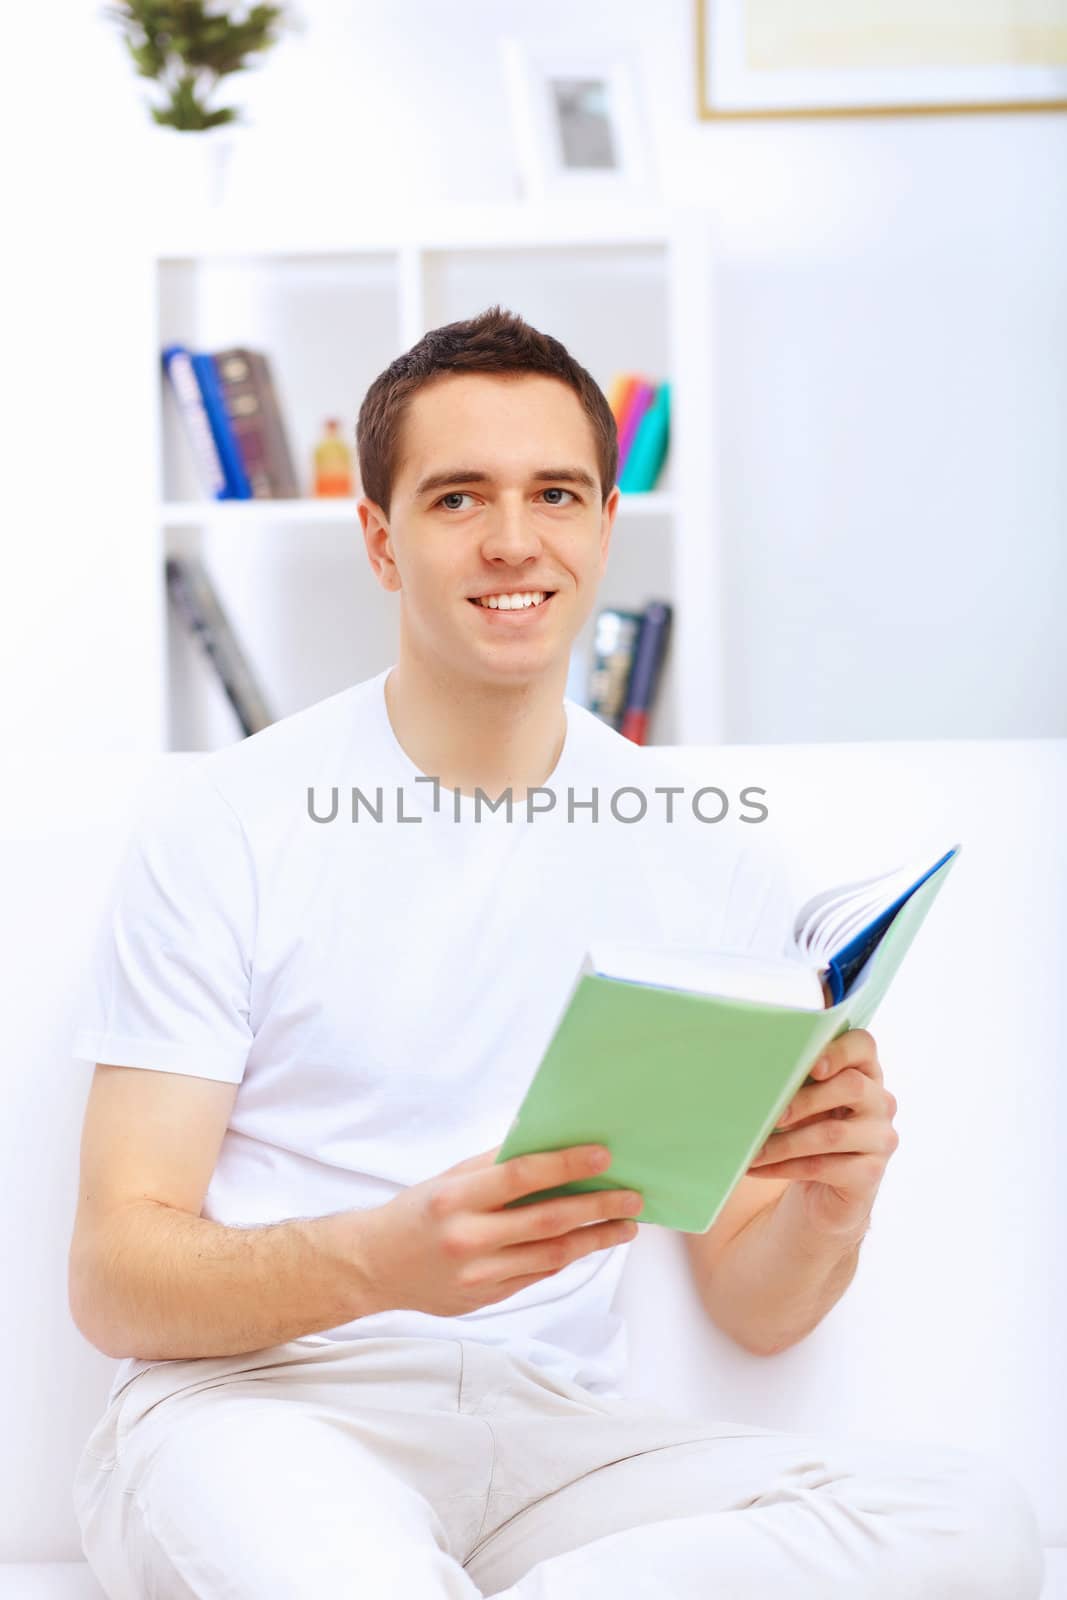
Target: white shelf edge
<point>496,228</point>
<point>189,513</point>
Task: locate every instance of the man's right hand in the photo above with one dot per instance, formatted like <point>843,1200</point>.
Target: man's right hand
<point>446,1245</point>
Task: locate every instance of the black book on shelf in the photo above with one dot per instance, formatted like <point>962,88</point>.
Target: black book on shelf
<point>250,397</point>
<point>193,595</point>
<point>649,653</point>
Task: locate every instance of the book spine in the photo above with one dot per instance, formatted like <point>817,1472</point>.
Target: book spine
<point>613,646</point>
<point>195,599</point>
<point>178,367</point>
<point>642,397</point>
<point>238,486</point>
<point>617,391</point>
<point>644,678</point>
<point>243,407</point>
<point>646,457</point>
<point>623,391</point>
<point>280,467</point>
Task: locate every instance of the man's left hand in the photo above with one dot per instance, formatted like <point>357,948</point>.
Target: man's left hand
<point>838,1137</point>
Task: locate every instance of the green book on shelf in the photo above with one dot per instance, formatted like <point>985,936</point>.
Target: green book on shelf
<point>681,1061</point>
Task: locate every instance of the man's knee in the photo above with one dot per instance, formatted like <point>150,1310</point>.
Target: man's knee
<point>254,1496</point>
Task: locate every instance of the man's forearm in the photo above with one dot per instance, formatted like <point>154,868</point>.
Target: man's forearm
<point>776,1280</point>
<point>164,1285</point>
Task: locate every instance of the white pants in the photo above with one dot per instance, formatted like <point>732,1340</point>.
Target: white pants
<point>441,1469</point>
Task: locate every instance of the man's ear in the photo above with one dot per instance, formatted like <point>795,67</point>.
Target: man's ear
<point>607,524</point>
<point>378,541</point>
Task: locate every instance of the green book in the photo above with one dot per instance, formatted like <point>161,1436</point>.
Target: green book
<point>681,1061</point>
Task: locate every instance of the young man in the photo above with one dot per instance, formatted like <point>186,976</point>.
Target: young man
<point>348,1365</point>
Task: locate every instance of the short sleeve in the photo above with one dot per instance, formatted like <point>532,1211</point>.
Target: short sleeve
<point>170,981</point>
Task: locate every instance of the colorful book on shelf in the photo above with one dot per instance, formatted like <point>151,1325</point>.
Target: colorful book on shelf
<point>251,400</point>
<point>178,367</point>
<point>620,397</point>
<point>194,596</point>
<point>618,394</point>
<point>647,453</point>
<point>649,652</point>
<point>207,376</point>
<point>681,1061</point>
<point>640,398</point>
<point>614,640</point>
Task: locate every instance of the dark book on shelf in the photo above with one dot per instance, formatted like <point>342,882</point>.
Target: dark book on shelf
<point>649,652</point>
<point>251,400</point>
<point>614,641</point>
<point>194,597</point>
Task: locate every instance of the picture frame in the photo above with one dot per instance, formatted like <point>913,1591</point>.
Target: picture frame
<point>863,58</point>
<point>579,123</point>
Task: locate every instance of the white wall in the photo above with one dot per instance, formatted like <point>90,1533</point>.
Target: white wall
<point>890,361</point>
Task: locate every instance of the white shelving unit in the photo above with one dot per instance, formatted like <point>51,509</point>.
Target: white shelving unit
<point>331,311</point>
<point>193,513</point>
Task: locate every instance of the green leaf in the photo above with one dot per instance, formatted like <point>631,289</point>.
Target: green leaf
<point>170,40</point>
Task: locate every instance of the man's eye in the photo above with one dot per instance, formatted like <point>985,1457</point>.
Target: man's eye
<point>462,494</point>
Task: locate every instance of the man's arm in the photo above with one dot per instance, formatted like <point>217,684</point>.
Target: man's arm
<point>167,1286</point>
<point>149,1277</point>
<point>775,1279</point>
<point>775,1268</point>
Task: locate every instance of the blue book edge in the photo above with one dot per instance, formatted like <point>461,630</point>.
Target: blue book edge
<point>212,465</point>
<point>844,966</point>
<point>238,486</point>
<point>845,963</point>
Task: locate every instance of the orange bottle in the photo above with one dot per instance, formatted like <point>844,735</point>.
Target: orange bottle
<point>333,463</point>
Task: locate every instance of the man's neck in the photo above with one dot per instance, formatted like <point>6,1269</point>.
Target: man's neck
<point>471,735</point>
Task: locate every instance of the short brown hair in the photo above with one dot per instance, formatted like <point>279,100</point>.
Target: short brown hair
<point>495,341</point>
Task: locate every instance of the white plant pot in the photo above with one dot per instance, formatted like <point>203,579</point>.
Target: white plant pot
<point>191,171</point>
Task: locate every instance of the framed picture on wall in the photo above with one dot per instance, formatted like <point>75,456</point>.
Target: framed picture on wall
<point>578,121</point>
<point>835,58</point>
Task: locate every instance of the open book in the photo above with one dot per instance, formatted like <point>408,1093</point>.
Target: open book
<point>681,1060</point>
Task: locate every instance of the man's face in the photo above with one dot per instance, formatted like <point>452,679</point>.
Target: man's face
<point>497,494</point>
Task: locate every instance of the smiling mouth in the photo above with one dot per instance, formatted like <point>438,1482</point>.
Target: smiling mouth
<point>512,610</point>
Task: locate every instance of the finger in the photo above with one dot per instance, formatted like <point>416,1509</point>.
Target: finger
<point>856,1048</point>
<point>850,1090</point>
<point>854,1172</point>
<point>548,1219</point>
<point>484,1158</point>
<point>852,1135</point>
<point>526,1174</point>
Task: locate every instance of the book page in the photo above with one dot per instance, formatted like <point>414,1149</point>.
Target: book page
<point>732,975</point>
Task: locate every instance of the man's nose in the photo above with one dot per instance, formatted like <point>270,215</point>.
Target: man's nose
<point>511,534</point>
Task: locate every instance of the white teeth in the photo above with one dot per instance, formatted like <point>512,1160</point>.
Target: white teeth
<point>512,602</point>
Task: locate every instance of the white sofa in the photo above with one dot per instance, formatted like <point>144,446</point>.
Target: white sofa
<point>954,1326</point>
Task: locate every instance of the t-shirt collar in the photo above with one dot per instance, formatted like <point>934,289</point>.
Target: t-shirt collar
<point>421,794</point>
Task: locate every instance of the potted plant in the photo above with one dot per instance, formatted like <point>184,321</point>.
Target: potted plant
<point>187,50</point>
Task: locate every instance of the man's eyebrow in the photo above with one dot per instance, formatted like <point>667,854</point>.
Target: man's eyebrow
<point>441,480</point>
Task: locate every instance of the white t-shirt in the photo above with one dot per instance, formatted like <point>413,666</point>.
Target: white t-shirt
<point>383,990</point>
